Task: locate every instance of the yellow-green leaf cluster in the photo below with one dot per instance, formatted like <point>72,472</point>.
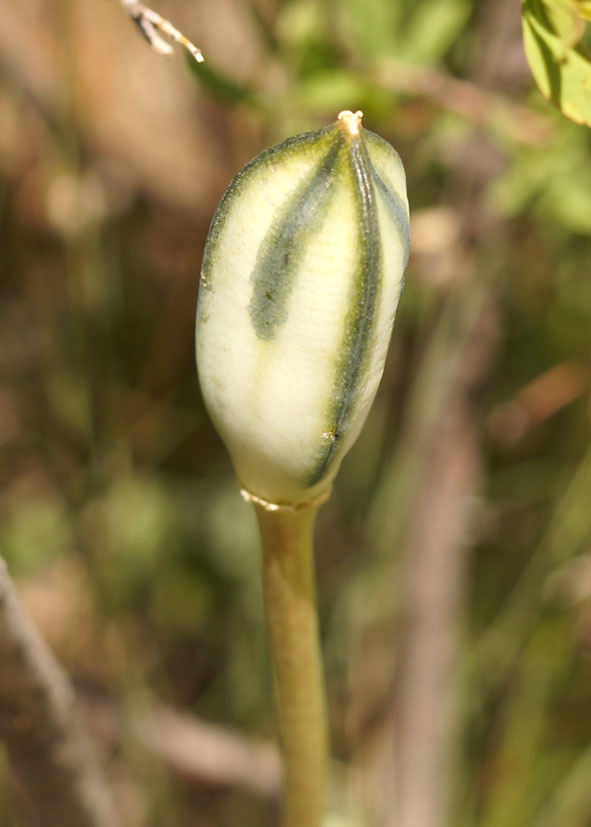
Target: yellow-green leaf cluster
<point>555,34</point>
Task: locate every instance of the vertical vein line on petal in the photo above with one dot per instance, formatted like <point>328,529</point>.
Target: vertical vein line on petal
<point>360,321</point>
<point>275,273</point>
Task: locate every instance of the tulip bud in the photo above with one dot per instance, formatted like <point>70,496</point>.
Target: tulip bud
<point>302,272</point>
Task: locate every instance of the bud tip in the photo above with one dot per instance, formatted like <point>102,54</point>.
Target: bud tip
<point>351,121</point>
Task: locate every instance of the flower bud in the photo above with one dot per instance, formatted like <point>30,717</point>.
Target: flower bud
<point>302,272</point>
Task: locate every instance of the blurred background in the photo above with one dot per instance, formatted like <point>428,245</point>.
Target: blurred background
<point>454,558</point>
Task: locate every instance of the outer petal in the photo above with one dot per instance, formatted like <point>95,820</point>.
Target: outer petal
<point>301,276</point>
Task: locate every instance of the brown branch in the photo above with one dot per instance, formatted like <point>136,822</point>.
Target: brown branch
<point>409,734</point>
<point>47,745</point>
<point>202,753</point>
<point>466,99</point>
<point>426,692</point>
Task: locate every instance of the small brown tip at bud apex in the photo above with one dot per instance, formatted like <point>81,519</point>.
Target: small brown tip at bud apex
<point>351,121</point>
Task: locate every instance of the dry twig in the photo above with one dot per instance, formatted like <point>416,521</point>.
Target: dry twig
<point>47,745</point>
<point>150,24</point>
<point>466,99</point>
<point>202,753</point>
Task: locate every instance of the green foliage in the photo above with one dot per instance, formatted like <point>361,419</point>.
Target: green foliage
<point>416,32</point>
<point>557,44</point>
<point>220,86</point>
<point>548,179</point>
<point>34,534</point>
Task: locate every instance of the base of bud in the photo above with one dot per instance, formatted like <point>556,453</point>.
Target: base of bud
<point>286,507</point>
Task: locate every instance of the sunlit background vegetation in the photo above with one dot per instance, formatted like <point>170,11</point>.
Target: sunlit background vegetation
<point>454,558</point>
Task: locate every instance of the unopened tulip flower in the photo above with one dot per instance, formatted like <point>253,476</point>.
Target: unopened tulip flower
<point>301,277</point>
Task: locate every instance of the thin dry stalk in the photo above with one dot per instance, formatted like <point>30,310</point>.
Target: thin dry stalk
<point>150,24</point>
<point>47,745</point>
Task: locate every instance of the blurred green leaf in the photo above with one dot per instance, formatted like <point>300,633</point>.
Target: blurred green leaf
<point>570,801</point>
<point>583,8</point>
<point>432,29</point>
<point>548,178</point>
<point>553,34</point>
<point>220,86</point>
<point>414,32</point>
<point>34,534</point>
<point>128,525</point>
<point>332,91</point>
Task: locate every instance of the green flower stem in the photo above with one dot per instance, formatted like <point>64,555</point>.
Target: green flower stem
<point>290,599</point>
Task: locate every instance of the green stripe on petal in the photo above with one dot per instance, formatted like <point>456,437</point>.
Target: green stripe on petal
<point>309,145</point>
<point>360,319</point>
<point>397,211</point>
<point>281,252</point>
